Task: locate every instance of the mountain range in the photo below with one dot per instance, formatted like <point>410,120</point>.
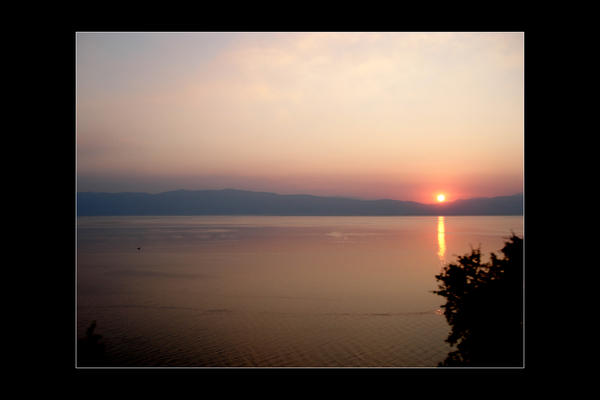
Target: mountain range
<point>242,202</point>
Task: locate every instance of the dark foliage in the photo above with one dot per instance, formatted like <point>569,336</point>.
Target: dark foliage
<point>90,349</point>
<point>484,307</point>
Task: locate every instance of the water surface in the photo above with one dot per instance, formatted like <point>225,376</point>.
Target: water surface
<point>268,291</point>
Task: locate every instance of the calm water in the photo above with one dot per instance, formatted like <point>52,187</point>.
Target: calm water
<point>244,291</point>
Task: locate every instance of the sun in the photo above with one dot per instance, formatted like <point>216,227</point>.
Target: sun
<point>441,198</point>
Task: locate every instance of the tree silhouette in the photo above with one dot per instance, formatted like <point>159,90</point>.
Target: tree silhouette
<point>484,307</point>
<point>90,349</point>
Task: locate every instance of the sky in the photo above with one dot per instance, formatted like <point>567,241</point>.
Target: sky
<point>399,115</point>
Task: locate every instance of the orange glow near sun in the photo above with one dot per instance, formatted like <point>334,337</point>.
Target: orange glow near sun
<point>441,197</point>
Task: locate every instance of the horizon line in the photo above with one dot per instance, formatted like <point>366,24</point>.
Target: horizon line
<point>302,194</point>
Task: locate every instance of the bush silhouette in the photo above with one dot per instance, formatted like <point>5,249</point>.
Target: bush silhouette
<point>90,349</point>
<point>484,307</point>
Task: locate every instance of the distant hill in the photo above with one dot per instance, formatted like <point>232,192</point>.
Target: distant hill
<point>241,202</point>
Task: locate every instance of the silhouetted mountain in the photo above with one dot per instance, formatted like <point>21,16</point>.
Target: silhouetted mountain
<point>501,205</point>
<point>240,202</point>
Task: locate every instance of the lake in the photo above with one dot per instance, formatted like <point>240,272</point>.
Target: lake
<point>269,291</point>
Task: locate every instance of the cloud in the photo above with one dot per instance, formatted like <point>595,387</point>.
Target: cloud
<point>302,104</point>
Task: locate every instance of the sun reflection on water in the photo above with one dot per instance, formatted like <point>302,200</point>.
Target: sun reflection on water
<point>441,240</point>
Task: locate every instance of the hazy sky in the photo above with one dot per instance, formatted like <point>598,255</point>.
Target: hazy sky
<point>369,115</point>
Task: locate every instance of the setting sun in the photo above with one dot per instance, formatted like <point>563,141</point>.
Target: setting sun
<point>310,166</point>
